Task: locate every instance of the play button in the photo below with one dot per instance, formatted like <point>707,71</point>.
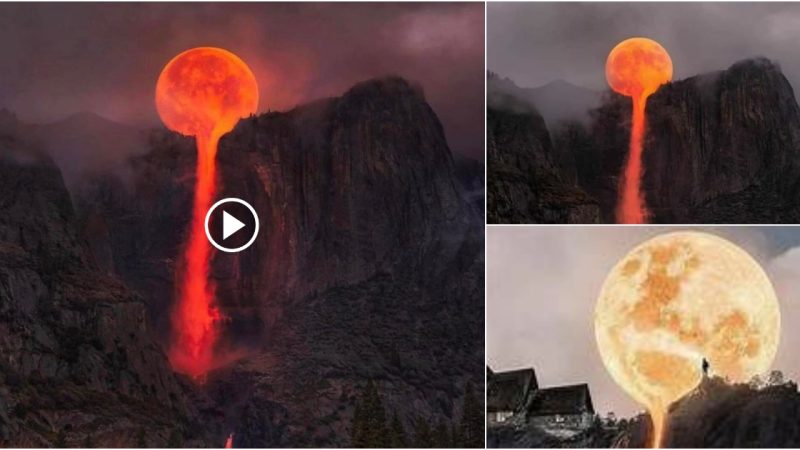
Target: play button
<point>230,225</point>
<point>233,222</point>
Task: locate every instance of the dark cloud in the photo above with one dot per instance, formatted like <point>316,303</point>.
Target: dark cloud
<point>543,282</point>
<point>58,59</point>
<point>535,43</point>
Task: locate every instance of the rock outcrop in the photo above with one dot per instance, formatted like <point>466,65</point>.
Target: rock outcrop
<point>369,263</point>
<point>722,147</point>
<point>525,183</point>
<point>77,364</point>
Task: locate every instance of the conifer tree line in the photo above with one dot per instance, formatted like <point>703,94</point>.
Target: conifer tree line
<point>374,427</point>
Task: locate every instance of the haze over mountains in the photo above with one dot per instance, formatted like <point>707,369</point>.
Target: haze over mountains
<point>369,266</point>
<point>720,148</point>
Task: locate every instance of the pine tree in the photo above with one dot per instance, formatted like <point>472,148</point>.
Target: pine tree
<point>88,442</point>
<point>376,419</point>
<point>397,434</point>
<point>422,434</point>
<point>175,439</point>
<point>141,442</point>
<point>441,436</point>
<point>472,421</point>
<point>455,436</point>
<point>369,420</point>
<point>61,439</point>
<point>357,429</point>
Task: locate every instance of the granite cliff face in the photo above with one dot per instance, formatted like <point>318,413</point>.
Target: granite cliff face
<point>720,415</point>
<point>369,263</point>
<point>525,183</point>
<point>720,148</point>
<point>77,364</point>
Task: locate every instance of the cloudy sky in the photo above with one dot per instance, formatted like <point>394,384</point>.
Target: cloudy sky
<point>58,59</point>
<point>535,43</point>
<point>542,284</point>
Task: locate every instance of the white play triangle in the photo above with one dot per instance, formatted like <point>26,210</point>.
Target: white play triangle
<point>230,225</point>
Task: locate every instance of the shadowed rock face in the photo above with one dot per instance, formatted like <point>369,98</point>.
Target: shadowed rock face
<point>713,415</point>
<point>718,142</point>
<point>76,356</point>
<point>720,148</point>
<point>525,182</point>
<point>720,415</point>
<point>369,263</point>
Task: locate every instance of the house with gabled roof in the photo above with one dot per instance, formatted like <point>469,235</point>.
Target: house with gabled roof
<point>508,393</point>
<point>516,393</point>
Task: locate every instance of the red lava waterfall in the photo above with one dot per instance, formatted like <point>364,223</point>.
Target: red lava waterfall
<point>636,68</point>
<point>203,92</point>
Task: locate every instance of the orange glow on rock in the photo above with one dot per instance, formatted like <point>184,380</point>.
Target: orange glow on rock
<point>203,92</point>
<point>636,68</point>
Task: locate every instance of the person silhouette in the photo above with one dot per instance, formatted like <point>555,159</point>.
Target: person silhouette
<point>706,366</point>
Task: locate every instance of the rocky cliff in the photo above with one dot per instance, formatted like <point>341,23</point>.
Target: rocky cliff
<point>720,148</point>
<point>78,366</point>
<point>369,263</point>
<point>720,415</point>
<point>525,182</point>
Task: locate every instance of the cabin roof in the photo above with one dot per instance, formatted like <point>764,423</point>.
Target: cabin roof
<point>562,400</point>
<point>509,391</point>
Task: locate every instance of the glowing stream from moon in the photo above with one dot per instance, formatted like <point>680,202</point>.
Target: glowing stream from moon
<point>202,92</point>
<point>674,300</point>
<point>636,67</point>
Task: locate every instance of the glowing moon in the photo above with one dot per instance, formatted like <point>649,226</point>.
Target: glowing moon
<point>636,67</point>
<point>676,299</point>
<point>205,90</point>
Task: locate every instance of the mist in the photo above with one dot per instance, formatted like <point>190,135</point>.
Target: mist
<point>537,43</point>
<point>63,59</point>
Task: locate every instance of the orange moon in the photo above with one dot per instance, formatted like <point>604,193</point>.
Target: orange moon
<point>636,67</point>
<point>204,91</point>
<point>676,299</point>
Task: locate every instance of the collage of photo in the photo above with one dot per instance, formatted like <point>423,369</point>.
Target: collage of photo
<point>467,224</point>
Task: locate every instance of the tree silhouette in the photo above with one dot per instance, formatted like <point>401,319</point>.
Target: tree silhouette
<point>369,420</point>
<point>423,437</point>
<point>472,421</point>
<point>397,434</point>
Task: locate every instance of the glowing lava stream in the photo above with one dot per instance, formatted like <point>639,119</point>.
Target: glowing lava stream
<point>202,92</point>
<point>636,67</point>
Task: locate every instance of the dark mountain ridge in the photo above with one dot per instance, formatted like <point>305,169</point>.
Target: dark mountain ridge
<point>525,182</point>
<point>720,147</point>
<point>369,266</point>
<point>78,364</point>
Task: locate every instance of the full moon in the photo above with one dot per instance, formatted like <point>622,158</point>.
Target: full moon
<point>676,299</point>
<point>205,91</point>
<point>636,67</point>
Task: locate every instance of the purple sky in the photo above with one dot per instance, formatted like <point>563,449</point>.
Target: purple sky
<point>58,59</point>
<point>534,43</point>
